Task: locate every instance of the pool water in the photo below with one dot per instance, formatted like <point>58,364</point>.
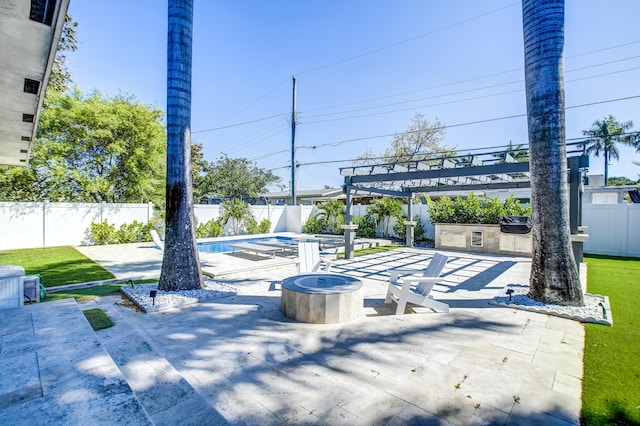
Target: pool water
<point>223,246</point>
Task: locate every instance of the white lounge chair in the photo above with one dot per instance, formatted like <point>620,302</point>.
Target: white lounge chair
<point>156,239</point>
<point>309,259</point>
<point>256,248</point>
<point>416,289</point>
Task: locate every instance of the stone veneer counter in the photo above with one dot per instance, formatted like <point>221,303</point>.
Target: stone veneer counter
<point>322,298</point>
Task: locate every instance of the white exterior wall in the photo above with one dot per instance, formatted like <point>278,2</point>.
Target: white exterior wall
<point>613,228</point>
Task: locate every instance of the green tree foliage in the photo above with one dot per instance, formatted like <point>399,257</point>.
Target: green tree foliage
<point>92,148</point>
<point>366,226</point>
<point>209,229</point>
<point>422,139</point>
<point>382,210</point>
<point>401,229</point>
<point>255,227</point>
<point>331,214</point>
<point>236,211</point>
<point>603,137</point>
<point>474,209</point>
<point>106,233</point>
<point>60,77</point>
<point>231,177</point>
<point>620,181</point>
<point>314,225</point>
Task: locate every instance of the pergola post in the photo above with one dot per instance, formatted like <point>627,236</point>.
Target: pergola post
<point>575,207</point>
<point>410,224</point>
<point>349,228</point>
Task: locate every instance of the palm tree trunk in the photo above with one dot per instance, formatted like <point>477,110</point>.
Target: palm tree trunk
<point>606,167</point>
<point>180,265</point>
<point>554,275</point>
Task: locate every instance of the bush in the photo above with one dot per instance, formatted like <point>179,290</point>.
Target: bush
<point>104,233</point>
<point>475,209</point>
<point>253,227</point>
<point>401,229</point>
<point>209,229</point>
<point>314,225</point>
<point>366,226</point>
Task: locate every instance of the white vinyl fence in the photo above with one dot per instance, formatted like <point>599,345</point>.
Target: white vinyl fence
<point>613,228</point>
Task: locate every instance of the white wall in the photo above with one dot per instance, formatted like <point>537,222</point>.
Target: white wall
<point>614,229</point>
<point>25,225</point>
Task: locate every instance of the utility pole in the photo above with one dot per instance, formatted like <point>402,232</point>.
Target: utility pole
<point>294,118</point>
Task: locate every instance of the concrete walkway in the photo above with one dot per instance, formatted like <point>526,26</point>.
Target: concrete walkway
<point>240,358</point>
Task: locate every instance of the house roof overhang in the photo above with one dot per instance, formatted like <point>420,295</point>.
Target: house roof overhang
<point>27,51</point>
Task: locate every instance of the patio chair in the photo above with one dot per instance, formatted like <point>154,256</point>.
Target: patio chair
<point>156,239</point>
<point>416,289</point>
<point>309,259</point>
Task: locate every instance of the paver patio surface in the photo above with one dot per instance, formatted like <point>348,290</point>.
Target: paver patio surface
<point>477,364</point>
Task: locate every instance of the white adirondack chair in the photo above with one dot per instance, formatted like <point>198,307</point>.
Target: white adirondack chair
<point>309,259</point>
<point>407,287</point>
<point>156,239</point>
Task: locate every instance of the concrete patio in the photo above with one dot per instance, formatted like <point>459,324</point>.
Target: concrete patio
<point>238,360</point>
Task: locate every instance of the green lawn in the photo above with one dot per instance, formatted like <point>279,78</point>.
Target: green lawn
<point>611,387</point>
<point>57,265</point>
<point>372,250</point>
<point>98,319</point>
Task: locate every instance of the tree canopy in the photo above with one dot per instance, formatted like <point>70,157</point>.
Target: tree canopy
<point>422,139</point>
<point>603,137</point>
<point>60,76</point>
<point>229,177</point>
<point>92,148</point>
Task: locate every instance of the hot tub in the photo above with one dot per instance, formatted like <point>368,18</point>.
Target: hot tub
<point>322,298</point>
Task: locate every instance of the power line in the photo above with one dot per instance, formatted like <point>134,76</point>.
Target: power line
<point>282,114</point>
<point>421,90</point>
<point>380,49</point>
<point>469,123</point>
<point>445,103</point>
<point>479,78</point>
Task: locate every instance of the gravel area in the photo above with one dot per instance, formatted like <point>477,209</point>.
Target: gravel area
<point>140,295</point>
<point>596,308</point>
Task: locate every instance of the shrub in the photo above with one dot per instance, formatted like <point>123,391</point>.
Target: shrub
<point>383,210</point>
<point>475,209</point>
<point>314,225</point>
<point>209,229</point>
<point>253,227</point>
<point>105,233</point>
<point>401,229</point>
<point>366,226</point>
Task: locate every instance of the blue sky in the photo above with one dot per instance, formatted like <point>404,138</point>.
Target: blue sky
<point>364,68</point>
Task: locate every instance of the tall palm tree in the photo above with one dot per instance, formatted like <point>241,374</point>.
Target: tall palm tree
<point>603,136</point>
<point>554,274</point>
<point>180,265</point>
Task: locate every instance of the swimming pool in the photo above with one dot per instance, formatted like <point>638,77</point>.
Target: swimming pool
<point>223,246</point>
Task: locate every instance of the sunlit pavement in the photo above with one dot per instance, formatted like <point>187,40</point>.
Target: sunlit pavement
<point>238,360</point>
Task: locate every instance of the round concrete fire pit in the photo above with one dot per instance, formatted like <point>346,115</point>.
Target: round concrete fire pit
<point>322,298</point>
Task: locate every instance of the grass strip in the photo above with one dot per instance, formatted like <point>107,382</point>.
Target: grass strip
<point>90,293</point>
<point>98,319</point>
<point>611,385</point>
<point>372,250</point>
<point>57,265</point>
